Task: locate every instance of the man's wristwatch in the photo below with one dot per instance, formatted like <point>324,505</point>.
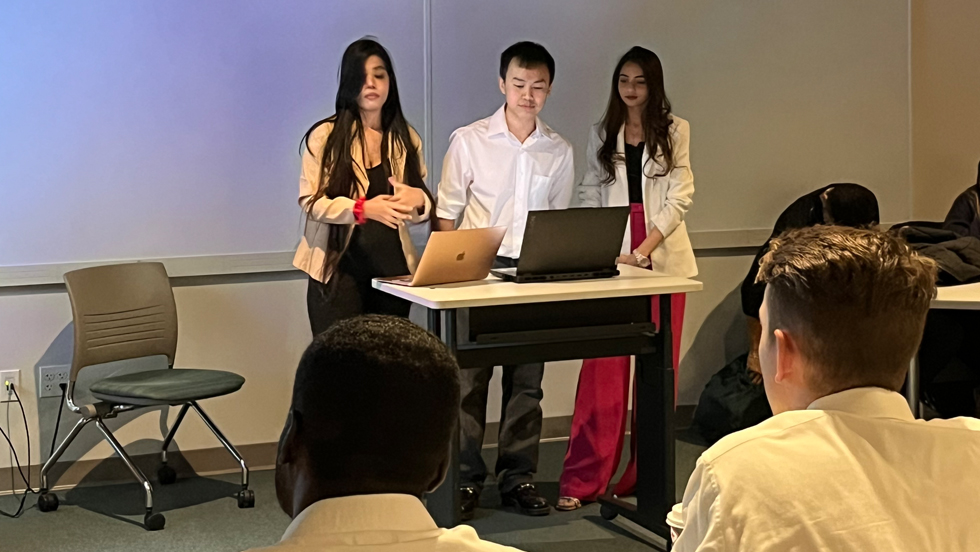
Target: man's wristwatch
<point>641,260</point>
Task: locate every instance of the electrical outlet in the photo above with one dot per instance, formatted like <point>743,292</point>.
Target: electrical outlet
<point>49,377</point>
<point>12,376</point>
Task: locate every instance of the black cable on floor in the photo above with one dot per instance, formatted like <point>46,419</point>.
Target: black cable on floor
<point>20,509</point>
<point>16,460</point>
<point>13,450</point>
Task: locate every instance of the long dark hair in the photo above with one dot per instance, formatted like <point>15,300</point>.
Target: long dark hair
<point>656,115</point>
<point>337,177</point>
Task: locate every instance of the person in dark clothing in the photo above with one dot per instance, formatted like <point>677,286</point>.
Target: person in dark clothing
<point>949,359</point>
<point>841,204</point>
<point>964,216</point>
<point>361,184</point>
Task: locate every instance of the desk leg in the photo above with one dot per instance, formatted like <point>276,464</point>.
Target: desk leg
<point>443,503</point>
<point>654,406</point>
<point>432,321</point>
<point>912,386</point>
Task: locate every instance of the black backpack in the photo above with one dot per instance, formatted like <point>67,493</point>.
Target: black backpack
<point>730,402</point>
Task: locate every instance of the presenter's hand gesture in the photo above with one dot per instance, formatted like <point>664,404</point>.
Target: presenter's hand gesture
<point>383,209</point>
<point>407,195</point>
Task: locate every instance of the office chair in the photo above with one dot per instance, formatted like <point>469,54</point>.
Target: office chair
<point>122,312</point>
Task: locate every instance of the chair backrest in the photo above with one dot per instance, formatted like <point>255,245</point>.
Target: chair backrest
<point>121,312</point>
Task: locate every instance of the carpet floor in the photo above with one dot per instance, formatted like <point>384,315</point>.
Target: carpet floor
<point>202,516</point>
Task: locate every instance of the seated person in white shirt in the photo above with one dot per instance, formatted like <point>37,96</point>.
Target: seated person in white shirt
<point>495,171</point>
<point>374,406</point>
<point>843,465</point>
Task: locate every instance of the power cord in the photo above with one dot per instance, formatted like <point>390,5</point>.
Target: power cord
<point>27,479</point>
<point>57,423</point>
<point>16,460</point>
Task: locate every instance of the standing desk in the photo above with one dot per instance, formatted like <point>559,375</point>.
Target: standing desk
<point>965,297</point>
<point>491,322</point>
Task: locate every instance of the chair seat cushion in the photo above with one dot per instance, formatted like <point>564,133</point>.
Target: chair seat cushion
<point>170,386</point>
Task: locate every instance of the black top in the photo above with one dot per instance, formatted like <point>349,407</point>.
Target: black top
<point>375,250</point>
<point>964,216</point>
<point>634,172</point>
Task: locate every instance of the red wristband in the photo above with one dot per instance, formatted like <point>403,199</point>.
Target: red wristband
<point>359,217</point>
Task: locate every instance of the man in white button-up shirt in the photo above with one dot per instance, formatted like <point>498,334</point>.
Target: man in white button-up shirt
<point>499,168</point>
<point>843,465</point>
<point>496,171</point>
<point>374,408</point>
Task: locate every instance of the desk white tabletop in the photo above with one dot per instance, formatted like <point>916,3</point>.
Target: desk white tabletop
<point>965,297</point>
<point>492,291</point>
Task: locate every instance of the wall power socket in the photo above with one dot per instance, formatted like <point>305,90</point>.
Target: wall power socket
<point>49,377</point>
<point>13,376</point>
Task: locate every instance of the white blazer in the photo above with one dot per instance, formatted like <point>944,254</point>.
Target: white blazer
<point>666,199</point>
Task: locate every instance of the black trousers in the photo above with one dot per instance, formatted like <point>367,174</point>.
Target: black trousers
<point>949,360</point>
<point>520,421</point>
<point>346,296</point>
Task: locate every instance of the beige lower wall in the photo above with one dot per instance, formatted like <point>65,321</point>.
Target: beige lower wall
<point>259,328</point>
<point>945,103</point>
<point>714,326</point>
<point>255,328</point>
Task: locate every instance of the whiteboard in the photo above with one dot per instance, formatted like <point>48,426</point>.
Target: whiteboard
<point>137,129</point>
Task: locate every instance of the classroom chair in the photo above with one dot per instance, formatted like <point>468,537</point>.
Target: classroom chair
<point>123,312</point>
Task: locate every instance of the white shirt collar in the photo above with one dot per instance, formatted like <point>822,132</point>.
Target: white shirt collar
<point>361,513</point>
<point>871,402</point>
<point>498,126</point>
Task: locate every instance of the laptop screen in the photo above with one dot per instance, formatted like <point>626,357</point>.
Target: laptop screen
<point>572,240</point>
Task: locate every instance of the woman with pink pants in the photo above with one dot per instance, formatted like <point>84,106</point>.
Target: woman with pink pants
<point>638,155</point>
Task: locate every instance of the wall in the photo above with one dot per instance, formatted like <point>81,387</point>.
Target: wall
<point>182,115</point>
<point>945,103</point>
<point>257,327</point>
<point>714,326</point>
<point>783,97</point>
<point>253,326</point>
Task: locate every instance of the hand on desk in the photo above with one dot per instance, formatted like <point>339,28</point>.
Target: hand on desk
<point>627,260</point>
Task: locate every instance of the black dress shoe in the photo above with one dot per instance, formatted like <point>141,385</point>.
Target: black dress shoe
<point>469,499</point>
<point>526,499</point>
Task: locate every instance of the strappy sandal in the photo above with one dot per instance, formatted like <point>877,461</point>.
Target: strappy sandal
<point>568,503</point>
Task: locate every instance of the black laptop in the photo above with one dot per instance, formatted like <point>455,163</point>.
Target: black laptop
<point>571,244</point>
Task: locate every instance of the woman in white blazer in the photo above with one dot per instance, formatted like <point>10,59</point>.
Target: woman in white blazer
<point>362,181</point>
<point>638,156</point>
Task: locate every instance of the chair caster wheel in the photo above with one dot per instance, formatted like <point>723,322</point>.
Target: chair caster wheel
<point>47,502</point>
<point>154,522</point>
<point>607,513</point>
<point>246,498</point>
<point>166,475</point>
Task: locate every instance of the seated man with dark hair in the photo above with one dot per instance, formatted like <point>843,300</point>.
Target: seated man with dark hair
<point>842,465</point>
<point>374,405</point>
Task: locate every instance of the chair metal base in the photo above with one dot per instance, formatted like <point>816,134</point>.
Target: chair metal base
<point>153,522</point>
<point>217,433</point>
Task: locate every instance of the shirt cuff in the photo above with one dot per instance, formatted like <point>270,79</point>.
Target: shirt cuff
<point>444,213</point>
<point>665,221</point>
